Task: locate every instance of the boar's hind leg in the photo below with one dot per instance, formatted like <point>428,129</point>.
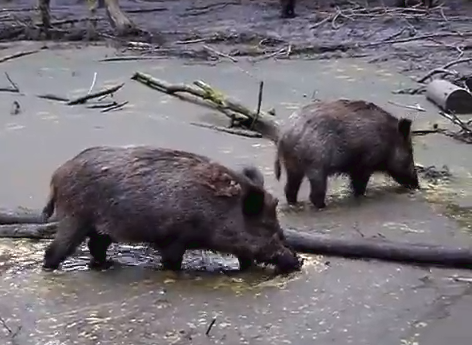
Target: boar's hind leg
<point>359,181</point>
<point>292,186</point>
<point>69,236</point>
<point>318,184</point>
<point>98,245</point>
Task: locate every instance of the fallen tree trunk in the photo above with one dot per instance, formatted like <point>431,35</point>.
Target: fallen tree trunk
<point>409,253</point>
<point>22,216</point>
<point>31,231</point>
<point>360,248</point>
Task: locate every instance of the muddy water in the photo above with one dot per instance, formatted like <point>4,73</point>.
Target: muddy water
<point>331,301</point>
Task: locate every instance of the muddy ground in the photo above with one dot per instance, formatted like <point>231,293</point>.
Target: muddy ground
<point>242,29</point>
<point>332,301</point>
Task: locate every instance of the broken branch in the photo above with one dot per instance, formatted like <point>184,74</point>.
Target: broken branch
<point>209,97</point>
<point>83,99</point>
<point>443,69</point>
<point>235,131</point>
<point>17,55</point>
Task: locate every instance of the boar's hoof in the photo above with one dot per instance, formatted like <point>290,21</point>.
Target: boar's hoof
<point>320,204</point>
<point>100,265</point>
<point>49,268</point>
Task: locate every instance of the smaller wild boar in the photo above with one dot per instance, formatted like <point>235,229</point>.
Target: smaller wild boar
<point>352,137</point>
<point>172,200</point>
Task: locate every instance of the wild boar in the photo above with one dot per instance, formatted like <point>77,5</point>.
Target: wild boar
<point>351,137</point>
<point>173,200</point>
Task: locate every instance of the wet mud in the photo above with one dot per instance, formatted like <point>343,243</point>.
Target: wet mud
<point>331,301</point>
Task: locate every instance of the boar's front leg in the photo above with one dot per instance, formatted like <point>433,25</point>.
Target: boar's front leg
<point>172,256</point>
<point>98,245</point>
<point>245,262</point>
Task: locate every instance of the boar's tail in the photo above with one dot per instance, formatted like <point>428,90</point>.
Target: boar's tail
<point>409,253</point>
<point>277,167</point>
<point>48,210</point>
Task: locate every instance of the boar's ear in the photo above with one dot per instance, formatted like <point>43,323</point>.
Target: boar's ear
<point>404,127</point>
<point>253,201</point>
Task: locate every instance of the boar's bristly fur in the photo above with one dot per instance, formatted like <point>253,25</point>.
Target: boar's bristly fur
<point>351,137</point>
<point>170,199</point>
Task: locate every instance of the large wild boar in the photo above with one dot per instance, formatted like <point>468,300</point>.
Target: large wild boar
<point>170,199</point>
<point>351,137</point>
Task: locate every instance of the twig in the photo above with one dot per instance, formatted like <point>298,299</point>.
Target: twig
<point>235,131</point>
<point>108,91</point>
<point>102,106</point>
<point>93,83</point>
<point>131,58</point>
<point>417,38</point>
<point>443,69</point>
<point>15,86</point>
<point>454,119</point>
<point>19,54</point>
<point>147,10</point>
<point>53,97</point>
<point>210,326</point>
<point>321,22</point>
<point>115,107</point>
<point>416,107</point>
<point>220,53</point>
<point>259,104</point>
<point>426,131</point>
<point>197,40</point>
<point>268,56</point>
<point>9,330</point>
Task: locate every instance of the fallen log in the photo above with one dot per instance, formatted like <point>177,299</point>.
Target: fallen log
<point>380,249</point>
<point>205,95</point>
<point>30,231</point>
<point>449,97</point>
<point>352,248</point>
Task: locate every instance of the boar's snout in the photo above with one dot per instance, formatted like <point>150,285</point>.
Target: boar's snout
<point>287,262</point>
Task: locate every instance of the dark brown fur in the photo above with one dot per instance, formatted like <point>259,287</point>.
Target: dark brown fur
<point>350,137</point>
<point>173,200</point>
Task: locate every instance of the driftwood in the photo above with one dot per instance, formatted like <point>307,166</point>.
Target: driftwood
<point>449,97</point>
<point>205,95</point>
